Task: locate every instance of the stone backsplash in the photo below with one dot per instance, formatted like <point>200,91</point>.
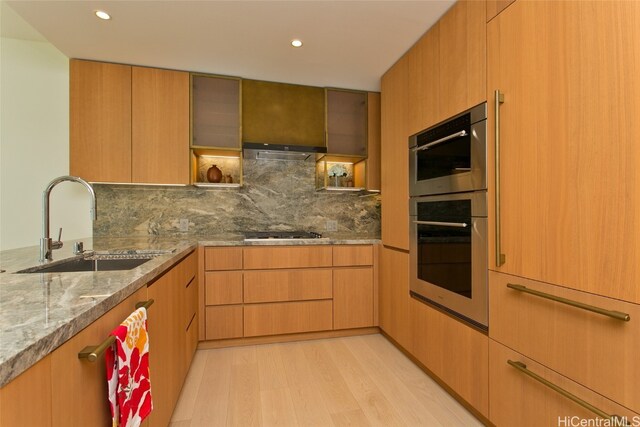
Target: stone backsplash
<point>277,195</point>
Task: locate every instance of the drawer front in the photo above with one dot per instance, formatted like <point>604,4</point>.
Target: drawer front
<point>597,351</point>
<point>352,255</point>
<point>518,400</point>
<point>223,287</point>
<point>352,297</point>
<point>223,258</point>
<point>188,268</point>
<point>287,285</point>
<point>223,322</point>
<point>191,305</point>
<point>287,318</point>
<point>260,258</point>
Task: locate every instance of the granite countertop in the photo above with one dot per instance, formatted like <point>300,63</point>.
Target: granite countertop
<point>41,311</point>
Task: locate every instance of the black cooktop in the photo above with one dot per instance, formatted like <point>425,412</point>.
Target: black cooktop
<point>280,235</point>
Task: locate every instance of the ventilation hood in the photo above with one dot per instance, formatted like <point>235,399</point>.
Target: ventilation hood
<point>261,151</point>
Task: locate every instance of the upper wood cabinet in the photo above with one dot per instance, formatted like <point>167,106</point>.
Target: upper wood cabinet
<point>160,126</point>
<point>447,66</point>
<point>128,124</point>
<point>215,112</point>
<point>570,187</point>
<point>346,122</point>
<point>100,121</point>
<point>395,152</point>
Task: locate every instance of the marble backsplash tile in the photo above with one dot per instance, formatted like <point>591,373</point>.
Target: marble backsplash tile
<point>277,195</point>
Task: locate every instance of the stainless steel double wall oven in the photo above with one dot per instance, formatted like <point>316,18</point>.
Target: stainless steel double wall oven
<point>448,215</point>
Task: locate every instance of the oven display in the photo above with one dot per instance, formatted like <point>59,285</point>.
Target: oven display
<point>444,248</point>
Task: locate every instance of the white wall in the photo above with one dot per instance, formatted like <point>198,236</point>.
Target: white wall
<point>34,144</point>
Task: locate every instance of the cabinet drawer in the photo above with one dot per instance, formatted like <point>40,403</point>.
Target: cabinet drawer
<point>287,257</point>
<point>595,350</point>
<point>352,255</point>
<point>223,322</point>
<point>287,317</point>
<point>287,285</point>
<point>223,288</point>
<point>519,400</point>
<point>187,269</point>
<point>223,258</point>
<point>191,305</point>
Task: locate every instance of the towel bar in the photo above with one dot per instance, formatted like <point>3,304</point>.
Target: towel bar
<point>92,352</point>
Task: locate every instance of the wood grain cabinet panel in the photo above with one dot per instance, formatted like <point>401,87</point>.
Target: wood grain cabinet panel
<point>160,126</point>
<point>224,287</point>
<point>287,317</point>
<point>570,188</point>
<point>287,285</point>
<point>352,298</point>
<point>287,257</point>
<point>394,296</point>
<point>100,121</point>
<point>223,258</point>
<point>373,141</point>
<point>26,401</point>
<point>223,322</point>
<point>519,400</point>
<point>494,7</point>
<point>352,255</point>
<point>554,334</point>
<point>424,81</point>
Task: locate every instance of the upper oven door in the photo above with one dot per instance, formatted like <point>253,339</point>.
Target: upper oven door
<point>450,157</point>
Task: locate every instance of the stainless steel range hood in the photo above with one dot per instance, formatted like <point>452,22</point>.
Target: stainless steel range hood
<point>260,151</point>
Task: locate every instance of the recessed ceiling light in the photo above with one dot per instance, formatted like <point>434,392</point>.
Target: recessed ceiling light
<point>296,43</point>
<point>103,15</point>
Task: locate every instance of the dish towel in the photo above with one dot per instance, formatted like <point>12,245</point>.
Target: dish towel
<point>128,371</point>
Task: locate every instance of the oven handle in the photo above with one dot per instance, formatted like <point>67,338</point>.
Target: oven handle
<point>443,224</point>
<point>440,141</point>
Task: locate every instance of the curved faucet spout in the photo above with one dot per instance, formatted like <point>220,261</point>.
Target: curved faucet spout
<point>46,243</point>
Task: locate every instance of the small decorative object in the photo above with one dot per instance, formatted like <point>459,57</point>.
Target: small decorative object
<point>350,183</point>
<point>228,179</point>
<point>337,171</point>
<point>214,174</point>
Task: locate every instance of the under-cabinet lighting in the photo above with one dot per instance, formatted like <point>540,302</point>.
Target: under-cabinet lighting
<point>208,156</point>
<point>340,163</point>
<point>102,15</point>
<point>296,43</point>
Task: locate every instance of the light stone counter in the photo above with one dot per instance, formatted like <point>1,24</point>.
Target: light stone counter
<point>41,311</point>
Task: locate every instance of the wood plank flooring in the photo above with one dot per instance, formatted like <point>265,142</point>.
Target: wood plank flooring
<point>352,381</point>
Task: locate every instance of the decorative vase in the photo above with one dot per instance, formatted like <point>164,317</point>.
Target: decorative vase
<point>214,174</point>
<point>228,179</point>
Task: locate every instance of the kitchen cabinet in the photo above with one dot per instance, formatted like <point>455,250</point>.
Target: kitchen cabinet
<point>494,7</point>
<point>128,124</point>
<point>447,66</point>
<point>169,336</point>
<point>395,152</point>
<point>26,401</point>
<point>287,317</point>
<point>518,399</point>
<point>569,187</point>
<point>352,297</point>
<point>346,122</point>
<point>394,296</point>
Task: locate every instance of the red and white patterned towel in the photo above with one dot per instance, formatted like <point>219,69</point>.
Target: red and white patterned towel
<point>128,371</point>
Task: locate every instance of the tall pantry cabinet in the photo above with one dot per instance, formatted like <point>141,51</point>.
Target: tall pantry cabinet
<point>564,304</point>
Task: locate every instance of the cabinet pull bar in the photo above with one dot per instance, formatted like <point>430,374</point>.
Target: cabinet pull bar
<point>441,140</point>
<point>499,99</point>
<point>443,224</point>
<point>92,352</point>
<point>523,368</point>
<point>610,313</point>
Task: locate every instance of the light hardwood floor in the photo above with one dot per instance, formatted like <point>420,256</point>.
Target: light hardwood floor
<point>354,381</point>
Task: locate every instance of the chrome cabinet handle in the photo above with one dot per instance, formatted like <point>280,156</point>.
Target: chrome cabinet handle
<point>499,99</point>
<point>440,141</point>
<point>523,368</point>
<point>609,313</point>
<point>443,224</point>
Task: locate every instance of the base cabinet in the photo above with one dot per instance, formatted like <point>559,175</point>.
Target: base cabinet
<point>394,296</point>
<point>517,399</point>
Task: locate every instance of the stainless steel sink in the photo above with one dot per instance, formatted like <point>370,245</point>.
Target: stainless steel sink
<point>104,262</point>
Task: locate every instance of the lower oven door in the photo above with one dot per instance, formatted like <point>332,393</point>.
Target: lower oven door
<point>448,253</point>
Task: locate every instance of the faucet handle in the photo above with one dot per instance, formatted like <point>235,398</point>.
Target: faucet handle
<point>58,243</point>
<point>60,235</point>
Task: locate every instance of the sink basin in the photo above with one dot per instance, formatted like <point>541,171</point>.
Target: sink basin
<point>95,263</point>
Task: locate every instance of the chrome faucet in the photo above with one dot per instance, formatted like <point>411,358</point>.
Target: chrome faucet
<point>47,245</point>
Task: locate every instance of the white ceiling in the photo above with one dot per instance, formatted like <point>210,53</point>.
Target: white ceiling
<point>347,44</point>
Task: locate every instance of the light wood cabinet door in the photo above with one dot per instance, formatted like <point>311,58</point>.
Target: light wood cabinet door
<point>26,401</point>
<point>160,126</point>
<point>352,255</point>
<point>223,322</point>
<point>519,400</point>
<point>393,300</point>
<point>570,188</point>
<point>100,121</point>
<point>287,317</point>
<point>287,285</point>
<point>84,380</point>
<point>223,258</point>
<point>453,351</point>
<point>395,152</point>
<point>373,142</point>
<point>462,58</point>
<point>287,257</point>
<point>494,7</point>
<point>352,298</point>
<point>424,81</point>
<point>223,287</point>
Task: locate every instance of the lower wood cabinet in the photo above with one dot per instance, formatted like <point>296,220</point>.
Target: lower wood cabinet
<point>517,399</point>
<point>287,317</point>
<point>223,321</point>
<point>394,296</point>
<point>287,285</point>
<point>352,297</point>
